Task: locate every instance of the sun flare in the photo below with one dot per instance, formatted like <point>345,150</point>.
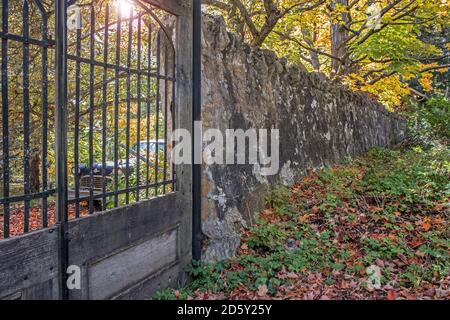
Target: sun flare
<point>124,7</point>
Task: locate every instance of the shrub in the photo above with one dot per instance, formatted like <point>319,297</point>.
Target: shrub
<point>430,120</point>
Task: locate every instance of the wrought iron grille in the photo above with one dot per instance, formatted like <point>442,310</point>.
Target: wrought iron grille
<point>118,95</point>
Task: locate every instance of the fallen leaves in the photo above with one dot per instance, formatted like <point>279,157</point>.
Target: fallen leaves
<point>391,295</point>
<point>36,221</point>
<point>426,225</point>
<point>337,227</point>
<point>262,291</point>
<point>292,275</point>
<point>420,254</point>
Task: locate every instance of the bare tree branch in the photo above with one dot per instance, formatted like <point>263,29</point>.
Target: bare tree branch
<point>218,4</point>
<point>306,47</point>
<point>381,77</point>
<point>443,66</point>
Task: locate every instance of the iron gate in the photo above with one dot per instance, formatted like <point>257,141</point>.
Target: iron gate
<point>89,102</point>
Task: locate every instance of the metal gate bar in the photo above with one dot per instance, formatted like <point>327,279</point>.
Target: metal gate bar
<point>92,94</point>
<point>87,86</point>
<point>5,116</point>
<point>61,137</point>
<point>23,37</point>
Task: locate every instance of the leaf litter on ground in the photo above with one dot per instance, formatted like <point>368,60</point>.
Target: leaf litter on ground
<point>316,239</point>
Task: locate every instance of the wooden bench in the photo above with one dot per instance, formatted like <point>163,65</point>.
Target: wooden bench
<point>84,191</point>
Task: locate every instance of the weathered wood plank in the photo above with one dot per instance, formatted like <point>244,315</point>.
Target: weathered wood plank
<point>96,236</point>
<point>43,291</point>
<point>170,277</point>
<point>116,242</point>
<point>28,260</point>
<point>121,270</point>
<point>183,118</point>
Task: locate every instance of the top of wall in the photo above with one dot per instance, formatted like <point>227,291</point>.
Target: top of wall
<point>216,38</point>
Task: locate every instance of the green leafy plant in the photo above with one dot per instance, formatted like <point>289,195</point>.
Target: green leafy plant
<point>388,209</point>
<point>278,196</point>
<point>267,236</point>
<point>430,119</point>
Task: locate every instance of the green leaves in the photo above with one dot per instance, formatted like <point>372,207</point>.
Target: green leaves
<point>370,46</point>
<point>267,236</point>
<point>278,196</point>
<point>388,210</point>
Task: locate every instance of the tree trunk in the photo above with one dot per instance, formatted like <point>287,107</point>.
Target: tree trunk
<point>314,56</point>
<point>34,172</point>
<point>271,22</point>
<point>315,60</point>
<point>338,37</point>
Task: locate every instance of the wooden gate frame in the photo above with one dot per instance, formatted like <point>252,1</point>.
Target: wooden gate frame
<point>124,253</point>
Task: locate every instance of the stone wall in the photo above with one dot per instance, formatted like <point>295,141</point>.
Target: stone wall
<point>320,124</point>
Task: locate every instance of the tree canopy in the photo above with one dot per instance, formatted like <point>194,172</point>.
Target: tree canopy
<point>388,48</point>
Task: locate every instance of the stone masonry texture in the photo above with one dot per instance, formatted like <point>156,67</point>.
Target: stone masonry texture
<point>321,123</point>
